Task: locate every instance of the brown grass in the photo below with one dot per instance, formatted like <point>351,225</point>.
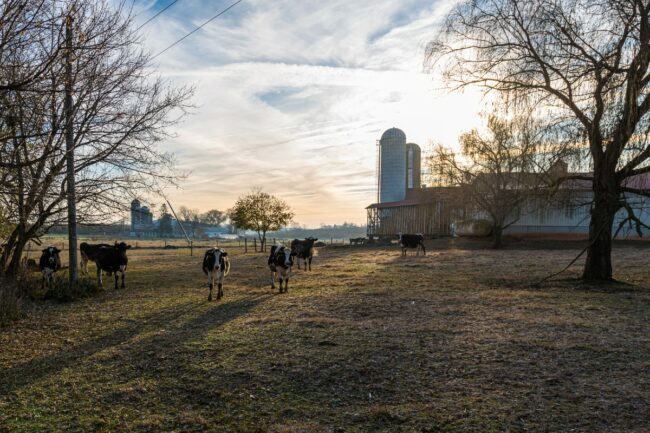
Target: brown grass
<point>457,341</point>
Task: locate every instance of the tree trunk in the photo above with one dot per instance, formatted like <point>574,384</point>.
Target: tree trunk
<point>497,236</point>
<point>598,266</point>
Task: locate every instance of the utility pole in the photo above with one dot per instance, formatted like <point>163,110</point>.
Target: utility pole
<point>69,148</point>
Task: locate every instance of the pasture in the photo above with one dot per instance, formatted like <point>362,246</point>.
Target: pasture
<point>456,341</point>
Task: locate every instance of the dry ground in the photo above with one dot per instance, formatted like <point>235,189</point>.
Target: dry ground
<point>457,341</point>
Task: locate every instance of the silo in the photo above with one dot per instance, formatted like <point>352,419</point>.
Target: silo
<point>392,166</point>
<point>413,163</point>
<point>135,214</point>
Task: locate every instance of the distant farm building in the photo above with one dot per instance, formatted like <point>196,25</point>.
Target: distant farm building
<point>404,206</point>
<point>142,224</point>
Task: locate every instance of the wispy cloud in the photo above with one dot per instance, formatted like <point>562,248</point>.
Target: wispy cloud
<point>291,97</point>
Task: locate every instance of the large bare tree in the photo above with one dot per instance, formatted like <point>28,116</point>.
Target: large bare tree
<point>121,110</point>
<point>584,61</point>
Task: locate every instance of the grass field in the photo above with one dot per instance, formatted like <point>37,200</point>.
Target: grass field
<point>457,341</point>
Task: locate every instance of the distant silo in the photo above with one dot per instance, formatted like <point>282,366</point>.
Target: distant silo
<point>413,162</point>
<point>392,166</point>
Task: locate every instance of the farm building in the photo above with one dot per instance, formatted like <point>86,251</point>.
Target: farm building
<point>404,206</point>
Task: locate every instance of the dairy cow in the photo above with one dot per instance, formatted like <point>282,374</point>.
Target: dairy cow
<point>216,266</point>
<point>304,250</point>
<point>89,253</point>
<point>112,259</point>
<point>280,263</point>
<point>49,263</point>
<point>412,241</point>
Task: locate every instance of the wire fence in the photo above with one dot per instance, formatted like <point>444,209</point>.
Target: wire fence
<point>247,244</point>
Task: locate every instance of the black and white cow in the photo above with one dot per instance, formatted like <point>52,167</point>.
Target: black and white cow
<point>49,263</point>
<point>412,241</point>
<point>216,266</point>
<point>304,250</point>
<point>280,263</point>
<point>112,259</point>
<point>89,253</point>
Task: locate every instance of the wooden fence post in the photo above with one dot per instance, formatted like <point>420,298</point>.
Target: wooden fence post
<point>245,245</point>
<point>255,244</point>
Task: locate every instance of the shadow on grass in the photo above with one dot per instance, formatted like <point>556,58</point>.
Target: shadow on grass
<point>43,367</point>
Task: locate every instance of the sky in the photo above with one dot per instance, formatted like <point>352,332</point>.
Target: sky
<point>292,95</point>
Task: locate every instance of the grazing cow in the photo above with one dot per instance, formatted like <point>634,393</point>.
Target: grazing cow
<point>112,259</point>
<point>412,241</point>
<point>49,263</point>
<point>216,266</point>
<point>280,262</point>
<point>89,252</point>
<point>303,250</point>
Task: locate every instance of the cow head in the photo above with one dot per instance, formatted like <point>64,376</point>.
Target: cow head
<point>51,257</point>
<point>218,254</point>
<point>285,256</point>
<point>121,248</point>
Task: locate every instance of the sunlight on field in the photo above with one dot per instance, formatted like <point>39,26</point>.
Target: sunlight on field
<point>456,341</point>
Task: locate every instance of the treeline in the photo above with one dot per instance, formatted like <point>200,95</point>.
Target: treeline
<point>336,231</point>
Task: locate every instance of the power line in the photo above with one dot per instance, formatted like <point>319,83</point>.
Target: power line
<point>198,28</point>
<point>154,17</point>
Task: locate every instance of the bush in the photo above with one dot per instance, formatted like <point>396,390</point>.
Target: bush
<point>62,292</point>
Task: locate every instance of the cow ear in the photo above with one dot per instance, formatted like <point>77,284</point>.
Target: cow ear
<point>224,254</point>
<point>294,254</point>
<point>315,239</point>
<point>45,250</point>
<point>128,247</point>
<point>57,250</point>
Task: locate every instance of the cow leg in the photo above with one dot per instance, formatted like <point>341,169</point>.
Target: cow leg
<point>220,284</point>
<point>424,251</point>
<point>99,276</point>
<point>272,280</point>
<point>210,285</point>
<point>43,282</point>
<point>310,263</point>
<point>116,279</point>
<point>123,277</point>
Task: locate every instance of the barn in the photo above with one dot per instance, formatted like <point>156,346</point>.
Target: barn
<point>404,206</point>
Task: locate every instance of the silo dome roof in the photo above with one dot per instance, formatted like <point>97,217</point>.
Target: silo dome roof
<point>393,133</point>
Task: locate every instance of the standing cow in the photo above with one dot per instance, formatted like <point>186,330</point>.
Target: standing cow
<point>280,263</point>
<point>304,250</point>
<point>412,241</point>
<point>89,253</point>
<point>49,263</point>
<point>216,266</point>
<point>112,259</point>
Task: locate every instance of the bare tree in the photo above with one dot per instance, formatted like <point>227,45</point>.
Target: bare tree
<point>120,112</point>
<point>500,173</point>
<point>261,212</point>
<point>584,61</point>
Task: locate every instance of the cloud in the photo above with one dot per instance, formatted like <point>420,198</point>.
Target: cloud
<point>291,97</point>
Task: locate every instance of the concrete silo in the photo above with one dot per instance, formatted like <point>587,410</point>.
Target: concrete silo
<point>392,166</point>
<point>413,162</point>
